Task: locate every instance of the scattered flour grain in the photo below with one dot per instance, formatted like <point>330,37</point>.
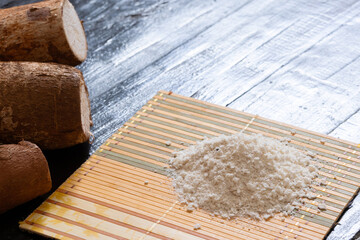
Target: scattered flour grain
<point>197,226</point>
<point>242,175</point>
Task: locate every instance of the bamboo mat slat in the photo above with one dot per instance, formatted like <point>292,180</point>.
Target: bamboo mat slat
<point>122,191</point>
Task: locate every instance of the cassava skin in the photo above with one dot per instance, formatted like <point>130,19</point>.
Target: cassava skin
<point>45,103</point>
<point>48,31</point>
<point>24,174</point>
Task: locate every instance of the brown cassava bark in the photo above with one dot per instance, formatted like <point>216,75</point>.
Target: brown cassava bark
<point>24,174</point>
<point>36,32</point>
<point>45,103</point>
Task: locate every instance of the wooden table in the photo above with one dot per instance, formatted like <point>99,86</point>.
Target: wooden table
<point>297,62</point>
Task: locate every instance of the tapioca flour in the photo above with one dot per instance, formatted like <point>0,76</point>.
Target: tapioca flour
<point>242,175</point>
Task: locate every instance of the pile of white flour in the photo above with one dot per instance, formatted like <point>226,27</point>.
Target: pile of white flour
<point>242,175</point>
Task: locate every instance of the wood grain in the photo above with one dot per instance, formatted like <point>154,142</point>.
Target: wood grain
<point>291,61</point>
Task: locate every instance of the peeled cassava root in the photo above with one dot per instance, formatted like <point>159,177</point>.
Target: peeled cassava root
<point>24,174</point>
<point>45,103</point>
<point>48,31</point>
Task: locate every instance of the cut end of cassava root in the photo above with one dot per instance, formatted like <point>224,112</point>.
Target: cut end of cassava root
<point>242,175</point>
<point>74,31</point>
<point>85,113</point>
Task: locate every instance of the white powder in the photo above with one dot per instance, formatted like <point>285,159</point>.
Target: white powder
<point>197,226</point>
<point>322,206</point>
<point>242,175</point>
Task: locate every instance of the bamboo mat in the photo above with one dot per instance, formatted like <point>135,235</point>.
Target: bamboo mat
<point>122,191</point>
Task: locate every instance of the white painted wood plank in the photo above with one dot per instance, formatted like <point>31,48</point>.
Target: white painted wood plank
<point>146,82</point>
<point>349,130</point>
<point>319,90</point>
<point>187,75</point>
<point>273,55</point>
<point>156,40</point>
